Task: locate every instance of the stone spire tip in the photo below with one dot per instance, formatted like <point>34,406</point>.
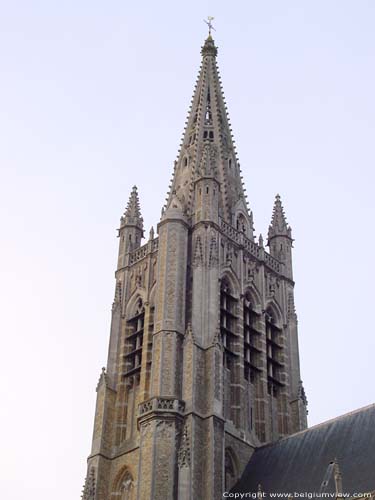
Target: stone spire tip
<point>209,48</point>
<point>132,215</point>
<point>279,225</point>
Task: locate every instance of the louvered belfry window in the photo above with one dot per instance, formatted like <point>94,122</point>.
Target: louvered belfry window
<point>134,341</point>
<point>228,323</point>
<point>274,355</point>
<point>251,342</point>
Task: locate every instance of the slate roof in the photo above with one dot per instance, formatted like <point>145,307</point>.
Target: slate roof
<point>299,463</point>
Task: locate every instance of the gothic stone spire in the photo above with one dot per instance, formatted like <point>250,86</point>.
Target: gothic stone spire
<point>132,215</point>
<point>279,225</point>
<point>207,141</point>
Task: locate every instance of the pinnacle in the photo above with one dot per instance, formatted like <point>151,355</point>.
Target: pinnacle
<point>209,48</point>
<point>132,215</point>
<point>279,225</point>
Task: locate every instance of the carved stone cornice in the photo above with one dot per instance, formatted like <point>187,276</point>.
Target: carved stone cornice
<point>160,406</point>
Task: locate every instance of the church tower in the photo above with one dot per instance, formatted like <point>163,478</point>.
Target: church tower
<point>203,363</point>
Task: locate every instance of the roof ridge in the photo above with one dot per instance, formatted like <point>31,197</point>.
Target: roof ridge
<point>321,424</point>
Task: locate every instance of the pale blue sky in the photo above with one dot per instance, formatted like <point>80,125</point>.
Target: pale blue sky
<point>93,99</point>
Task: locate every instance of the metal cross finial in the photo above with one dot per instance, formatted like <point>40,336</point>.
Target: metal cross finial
<point>209,24</point>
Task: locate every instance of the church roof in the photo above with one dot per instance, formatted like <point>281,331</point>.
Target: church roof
<point>207,132</point>
<point>302,462</point>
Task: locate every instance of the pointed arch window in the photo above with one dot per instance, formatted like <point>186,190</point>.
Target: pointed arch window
<point>251,341</point>
<point>134,340</point>
<point>230,470</point>
<point>126,488</point>
<point>274,349</point>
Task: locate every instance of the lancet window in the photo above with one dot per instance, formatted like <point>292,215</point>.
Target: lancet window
<point>125,489</point>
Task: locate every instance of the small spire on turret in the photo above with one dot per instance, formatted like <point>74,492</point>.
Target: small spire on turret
<point>131,227</point>
<point>279,225</point>
<point>261,240</point>
<point>132,215</point>
<point>152,233</point>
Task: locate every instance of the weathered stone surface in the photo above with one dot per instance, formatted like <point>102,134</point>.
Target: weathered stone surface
<point>203,359</point>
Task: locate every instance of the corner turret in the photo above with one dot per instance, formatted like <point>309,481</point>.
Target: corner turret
<point>131,227</point>
<point>280,239</point>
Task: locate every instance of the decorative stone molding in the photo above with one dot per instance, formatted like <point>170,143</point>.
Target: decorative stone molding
<point>103,379</point>
<point>189,335</point>
<point>252,270</point>
<point>302,393</point>
<point>184,453</point>
<point>118,295</point>
<point>89,488</point>
<point>161,405</point>
<point>291,307</point>
<point>207,165</point>
<point>146,429</point>
<point>272,284</point>
<point>214,255</point>
<point>164,429</point>
<point>198,253</point>
<point>141,252</point>
<point>250,246</point>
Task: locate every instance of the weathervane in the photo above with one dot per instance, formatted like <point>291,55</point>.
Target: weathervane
<point>209,24</point>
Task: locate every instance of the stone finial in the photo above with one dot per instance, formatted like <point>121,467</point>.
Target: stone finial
<point>261,243</point>
<point>102,379</point>
<point>132,215</point>
<point>279,225</point>
<point>152,233</point>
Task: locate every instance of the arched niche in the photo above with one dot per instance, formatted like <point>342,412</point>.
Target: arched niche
<point>124,488</point>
